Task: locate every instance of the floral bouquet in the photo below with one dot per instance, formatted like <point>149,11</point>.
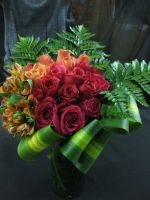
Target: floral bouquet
<point>65,95</point>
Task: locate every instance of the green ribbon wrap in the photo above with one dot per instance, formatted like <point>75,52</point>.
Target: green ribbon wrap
<point>85,146</point>
<point>29,148</point>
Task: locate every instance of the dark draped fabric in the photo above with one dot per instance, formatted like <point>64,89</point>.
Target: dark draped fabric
<point>29,17</point>
<point>1,44</point>
<point>122,25</point>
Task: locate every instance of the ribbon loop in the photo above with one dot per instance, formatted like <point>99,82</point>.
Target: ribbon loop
<point>30,148</point>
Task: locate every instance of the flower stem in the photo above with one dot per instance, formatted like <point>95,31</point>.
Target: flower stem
<point>54,163</point>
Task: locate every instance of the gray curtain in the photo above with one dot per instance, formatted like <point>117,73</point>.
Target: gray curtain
<point>122,25</point>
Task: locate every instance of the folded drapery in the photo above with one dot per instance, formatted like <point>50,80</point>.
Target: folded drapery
<point>39,18</point>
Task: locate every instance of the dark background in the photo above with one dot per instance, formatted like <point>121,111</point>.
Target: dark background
<point>123,170</point>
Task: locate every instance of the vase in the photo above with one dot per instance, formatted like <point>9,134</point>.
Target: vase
<point>67,181</point>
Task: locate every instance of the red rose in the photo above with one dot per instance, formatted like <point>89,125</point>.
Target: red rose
<point>84,66</point>
<point>50,85</point>
<point>38,93</point>
<point>72,118</point>
<point>93,86</point>
<point>91,107</point>
<point>57,70</point>
<point>69,92</point>
<point>95,71</point>
<point>77,75</point>
<point>37,90</point>
<point>56,120</point>
<point>44,112</point>
<point>84,58</point>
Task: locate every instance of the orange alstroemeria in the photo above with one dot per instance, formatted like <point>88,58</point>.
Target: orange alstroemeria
<point>16,69</point>
<point>25,107</point>
<point>10,85</point>
<point>2,90</point>
<point>23,129</point>
<point>7,117</point>
<point>66,59</point>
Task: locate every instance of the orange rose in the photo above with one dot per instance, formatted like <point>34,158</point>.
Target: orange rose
<point>84,58</point>
<point>36,72</point>
<point>66,59</point>
<point>45,59</point>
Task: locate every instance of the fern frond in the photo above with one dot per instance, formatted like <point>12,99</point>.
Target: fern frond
<point>111,111</point>
<point>118,98</point>
<point>79,40</point>
<point>27,49</point>
<point>136,91</point>
<point>128,79</point>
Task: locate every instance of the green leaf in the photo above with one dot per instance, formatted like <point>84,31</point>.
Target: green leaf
<point>23,83</point>
<point>27,49</point>
<point>15,98</point>
<point>18,113</point>
<point>4,94</point>
<point>2,108</point>
<point>30,120</point>
<point>125,80</point>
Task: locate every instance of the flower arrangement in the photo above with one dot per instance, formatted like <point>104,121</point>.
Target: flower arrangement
<point>65,94</point>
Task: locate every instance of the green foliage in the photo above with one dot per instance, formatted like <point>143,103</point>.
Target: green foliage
<point>23,83</point>
<point>78,40</point>
<point>4,94</point>
<point>18,114</point>
<point>127,79</point>
<point>2,108</point>
<point>27,118</point>
<point>110,110</point>
<point>15,98</point>
<point>27,49</point>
